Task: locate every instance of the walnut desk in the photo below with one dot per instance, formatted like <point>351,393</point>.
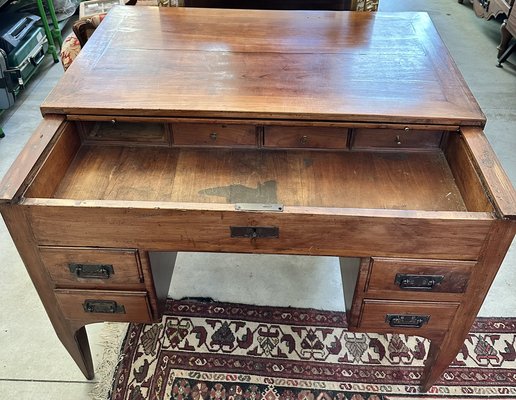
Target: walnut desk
<point>316,133</point>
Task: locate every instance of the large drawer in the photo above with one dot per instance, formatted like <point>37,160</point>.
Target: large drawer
<point>103,305</point>
<point>410,276</point>
<point>418,318</point>
<point>86,267</point>
<point>332,202</point>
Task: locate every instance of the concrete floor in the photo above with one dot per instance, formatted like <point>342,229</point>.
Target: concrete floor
<point>33,363</point>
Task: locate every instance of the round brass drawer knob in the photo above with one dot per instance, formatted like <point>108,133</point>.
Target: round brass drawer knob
<point>304,139</point>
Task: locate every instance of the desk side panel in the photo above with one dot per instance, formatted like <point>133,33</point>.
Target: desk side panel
<point>491,172</point>
<point>308,234</point>
<point>25,165</point>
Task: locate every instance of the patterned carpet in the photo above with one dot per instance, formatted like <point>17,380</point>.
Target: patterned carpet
<point>220,351</point>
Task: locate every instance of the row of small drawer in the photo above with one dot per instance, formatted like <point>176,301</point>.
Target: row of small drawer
<point>241,135</point>
<point>413,296</point>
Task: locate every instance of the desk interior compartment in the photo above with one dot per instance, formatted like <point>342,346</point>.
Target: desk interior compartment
<point>443,179</point>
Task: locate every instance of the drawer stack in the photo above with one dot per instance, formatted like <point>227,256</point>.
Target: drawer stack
<point>412,296</point>
<point>98,284</point>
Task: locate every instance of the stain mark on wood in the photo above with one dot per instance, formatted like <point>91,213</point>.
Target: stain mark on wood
<point>264,193</point>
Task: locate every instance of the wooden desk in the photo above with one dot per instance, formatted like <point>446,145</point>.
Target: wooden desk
<point>351,135</point>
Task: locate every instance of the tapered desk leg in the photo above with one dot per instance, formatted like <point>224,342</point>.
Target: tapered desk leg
<point>441,354</point>
<point>75,340</point>
<point>71,334</point>
<point>443,351</point>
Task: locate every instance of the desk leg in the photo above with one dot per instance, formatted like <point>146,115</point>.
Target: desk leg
<point>443,351</point>
<point>71,334</point>
<point>75,340</point>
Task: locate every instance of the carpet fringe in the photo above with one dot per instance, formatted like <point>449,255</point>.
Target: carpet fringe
<point>112,337</point>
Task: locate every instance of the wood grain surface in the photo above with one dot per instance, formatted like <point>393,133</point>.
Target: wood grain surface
<point>311,65</point>
<point>418,181</point>
<point>337,232</point>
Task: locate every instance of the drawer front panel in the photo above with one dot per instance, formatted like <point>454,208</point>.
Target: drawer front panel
<point>164,229</point>
<point>305,137</point>
<point>364,139</point>
<point>417,318</point>
<point>126,133</point>
<point>102,305</point>
<point>78,266</point>
<point>214,135</point>
<point>406,275</point>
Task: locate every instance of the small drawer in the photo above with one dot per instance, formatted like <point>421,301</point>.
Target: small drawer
<point>79,266</point>
<point>305,137</point>
<point>126,133</point>
<point>406,316</point>
<point>214,135</point>
<point>412,275</point>
<point>102,305</point>
<point>364,139</point>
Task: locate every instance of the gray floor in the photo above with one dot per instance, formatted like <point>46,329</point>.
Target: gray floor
<point>33,364</point>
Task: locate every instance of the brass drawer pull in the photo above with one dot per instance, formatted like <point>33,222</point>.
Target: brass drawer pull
<point>213,136</point>
<point>417,282</point>
<point>91,271</point>
<point>406,321</point>
<point>103,307</point>
<point>304,139</point>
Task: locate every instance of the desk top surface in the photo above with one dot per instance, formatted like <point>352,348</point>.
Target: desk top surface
<point>292,65</point>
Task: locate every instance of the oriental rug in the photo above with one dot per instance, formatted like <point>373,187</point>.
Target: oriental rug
<point>221,351</point>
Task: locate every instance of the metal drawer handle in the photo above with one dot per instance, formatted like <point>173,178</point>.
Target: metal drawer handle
<point>213,136</point>
<point>406,321</point>
<point>103,307</point>
<point>417,282</point>
<point>254,232</point>
<point>304,139</point>
<point>91,271</point>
